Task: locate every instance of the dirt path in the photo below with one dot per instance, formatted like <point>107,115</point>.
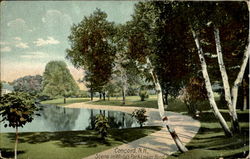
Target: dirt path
<point>157,145</point>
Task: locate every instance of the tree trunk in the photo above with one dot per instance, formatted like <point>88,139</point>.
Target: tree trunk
<point>239,78</point>
<point>166,100</point>
<point>104,94</point>
<point>91,94</point>
<point>158,89</point>
<point>16,142</point>
<point>64,100</point>
<point>244,95</point>
<point>210,94</point>
<point>232,111</point>
<point>123,96</point>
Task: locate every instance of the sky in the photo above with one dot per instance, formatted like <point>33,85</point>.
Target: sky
<point>35,32</point>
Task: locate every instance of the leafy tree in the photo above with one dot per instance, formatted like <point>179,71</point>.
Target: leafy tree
<point>57,80</point>
<point>92,49</point>
<point>194,92</point>
<point>102,125</point>
<point>28,84</point>
<point>17,109</point>
<point>140,116</point>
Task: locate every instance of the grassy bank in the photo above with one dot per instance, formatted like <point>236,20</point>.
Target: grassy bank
<point>68,144</point>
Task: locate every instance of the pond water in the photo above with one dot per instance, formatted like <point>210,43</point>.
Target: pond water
<point>54,118</point>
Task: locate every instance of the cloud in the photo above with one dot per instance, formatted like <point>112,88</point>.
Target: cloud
<point>42,42</point>
<point>17,22</point>
<point>22,45</point>
<point>35,55</point>
<point>56,17</point>
<point>5,49</point>
<point>17,38</point>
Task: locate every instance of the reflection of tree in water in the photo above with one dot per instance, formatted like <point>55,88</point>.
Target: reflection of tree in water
<point>116,119</point>
<point>58,118</point>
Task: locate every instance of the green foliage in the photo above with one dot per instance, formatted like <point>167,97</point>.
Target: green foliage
<point>57,80</point>
<point>17,109</point>
<point>140,116</point>
<point>92,49</point>
<point>28,84</point>
<point>194,92</point>
<point>102,125</point>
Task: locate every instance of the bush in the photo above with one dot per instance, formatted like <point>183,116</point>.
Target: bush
<point>102,125</point>
<point>143,94</point>
<point>140,116</point>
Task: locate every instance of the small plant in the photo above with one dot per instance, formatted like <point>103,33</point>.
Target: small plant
<point>102,125</point>
<point>140,116</point>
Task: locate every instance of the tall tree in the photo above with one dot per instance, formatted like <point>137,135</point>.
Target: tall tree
<point>92,49</point>
<point>142,48</point>
<point>57,80</point>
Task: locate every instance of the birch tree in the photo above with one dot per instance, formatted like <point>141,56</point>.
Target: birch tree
<point>210,93</point>
<point>141,46</point>
<point>219,14</point>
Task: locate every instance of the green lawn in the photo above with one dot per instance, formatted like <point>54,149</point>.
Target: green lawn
<point>59,101</point>
<point>68,144</point>
<point>210,142</point>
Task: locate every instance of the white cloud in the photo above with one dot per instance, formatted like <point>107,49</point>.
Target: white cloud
<point>42,42</point>
<point>22,45</point>
<point>17,22</point>
<point>5,49</point>
<point>55,16</point>
<point>17,38</point>
<point>35,55</point>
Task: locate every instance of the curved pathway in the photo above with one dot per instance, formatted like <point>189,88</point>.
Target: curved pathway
<point>157,145</point>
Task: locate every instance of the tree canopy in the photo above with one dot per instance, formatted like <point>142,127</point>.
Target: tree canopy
<point>92,48</point>
<point>58,81</point>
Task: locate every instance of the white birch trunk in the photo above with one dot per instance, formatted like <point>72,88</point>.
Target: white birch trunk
<point>210,94</point>
<point>239,78</point>
<point>232,111</point>
<point>163,116</point>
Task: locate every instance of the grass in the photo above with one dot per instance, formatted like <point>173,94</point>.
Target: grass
<point>59,101</point>
<point>68,144</point>
<point>210,141</point>
<point>135,101</point>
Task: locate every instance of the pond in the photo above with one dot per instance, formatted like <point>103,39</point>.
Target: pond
<point>55,118</point>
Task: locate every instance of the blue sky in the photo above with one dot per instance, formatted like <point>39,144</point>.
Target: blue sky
<point>33,33</point>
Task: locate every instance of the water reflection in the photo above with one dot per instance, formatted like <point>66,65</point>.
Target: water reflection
<point>55,118</point>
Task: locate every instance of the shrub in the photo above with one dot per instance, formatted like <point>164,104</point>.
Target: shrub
<point>140,116</point>
<point>102,125</point>
<point>143,94</point>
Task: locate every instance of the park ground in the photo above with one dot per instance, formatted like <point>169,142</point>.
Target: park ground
<point>208,143</point>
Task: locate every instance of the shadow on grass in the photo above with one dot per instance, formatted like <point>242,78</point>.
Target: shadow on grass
<point>89,138</point>
<point>64,139</point>
<point>211,139</point>
<point>9,153</point>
